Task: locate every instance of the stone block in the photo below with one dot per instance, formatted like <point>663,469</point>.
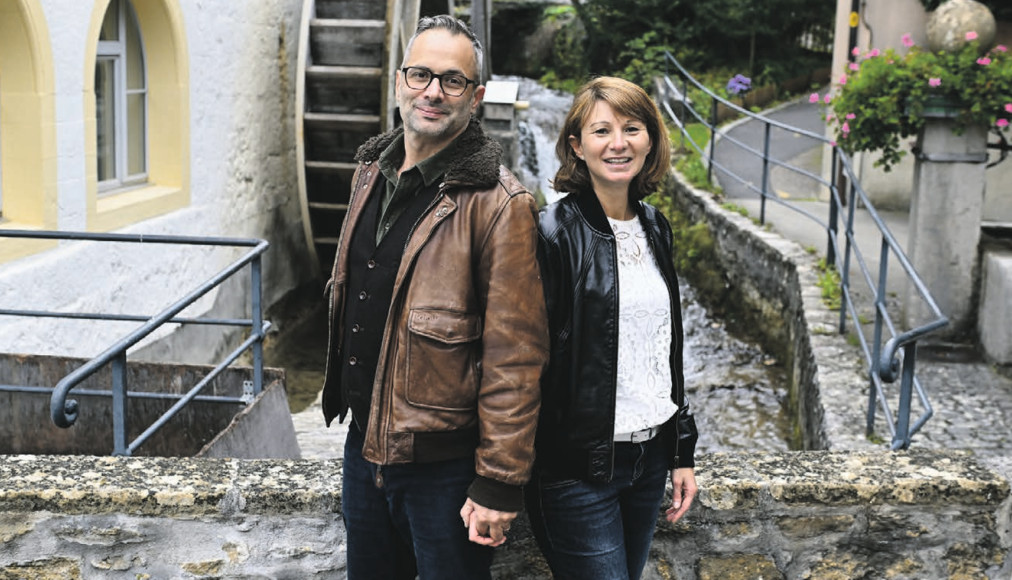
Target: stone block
<point>995,314</point>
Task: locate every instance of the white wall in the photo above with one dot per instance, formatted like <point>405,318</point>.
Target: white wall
<point>241,58</point>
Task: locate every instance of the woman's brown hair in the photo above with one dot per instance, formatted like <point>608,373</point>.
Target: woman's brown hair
<point>629,100</point>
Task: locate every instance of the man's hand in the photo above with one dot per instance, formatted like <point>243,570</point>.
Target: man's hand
<point>684,483</point>
<point>486,526</point>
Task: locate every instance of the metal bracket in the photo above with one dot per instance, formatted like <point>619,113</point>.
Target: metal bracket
<point>247,392</point>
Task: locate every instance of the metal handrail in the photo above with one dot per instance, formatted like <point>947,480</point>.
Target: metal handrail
<point>63,412</point>
<point>886,358</point>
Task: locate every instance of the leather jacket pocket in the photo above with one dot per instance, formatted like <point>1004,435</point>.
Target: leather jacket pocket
<point>443,359</point>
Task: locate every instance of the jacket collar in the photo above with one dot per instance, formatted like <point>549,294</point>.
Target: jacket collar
<point>476,165</point>
<point>592,211</point>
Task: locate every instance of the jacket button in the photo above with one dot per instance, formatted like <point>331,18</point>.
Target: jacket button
<point>370,264</point>
<point>352,361</point>
<point>357,328</point>
<point>363,295</point>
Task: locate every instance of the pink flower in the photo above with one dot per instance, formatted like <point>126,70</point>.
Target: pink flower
<point>1002,123</point>
<point>1001,48</point>
<point>826,99</point>
<point>813,98</point>
<point>830,116</point>
<point>971,35</point>
<point>874,52</point>
<point>1008,108</point>
<point>934,82</point>
<point>833,143</point>
<point>907,41</point>
<point>843,79</point>
<point>845,127</point>
<point>854,66</point>
<point>851,116</point>
<point>855,51</point>
<point>983,61</point>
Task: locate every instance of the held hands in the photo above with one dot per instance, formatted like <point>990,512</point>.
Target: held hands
<point>486,526</point>
<point>684,483</point>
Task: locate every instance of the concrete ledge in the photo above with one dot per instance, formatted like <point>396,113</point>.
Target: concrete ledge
<point>794,513</point>
<point>995,320</point>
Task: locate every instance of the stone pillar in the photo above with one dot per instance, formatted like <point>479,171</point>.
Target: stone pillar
<point>945,214</point>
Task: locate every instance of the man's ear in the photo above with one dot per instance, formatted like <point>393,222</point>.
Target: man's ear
<point>479,94</point>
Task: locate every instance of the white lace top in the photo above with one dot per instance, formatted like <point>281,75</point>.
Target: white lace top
<point>644,333</point>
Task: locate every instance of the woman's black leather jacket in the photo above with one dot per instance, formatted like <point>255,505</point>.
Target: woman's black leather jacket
<point>580,269</point>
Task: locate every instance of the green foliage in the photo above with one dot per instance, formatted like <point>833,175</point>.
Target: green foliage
<point>687,160</point>
<point>691,166</point>
<point>627,37</point>
<point>694,249</point>
<point>883,98</point>
<point>740,210</point>
<point>644,58</point>
<point>829,284</point>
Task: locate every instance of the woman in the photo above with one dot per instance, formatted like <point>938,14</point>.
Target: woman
<point>613,419</point>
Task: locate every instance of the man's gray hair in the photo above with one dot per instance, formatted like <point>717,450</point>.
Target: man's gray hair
<point>454,26</point>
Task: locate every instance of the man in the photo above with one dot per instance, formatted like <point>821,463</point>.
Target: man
<point>437,333</point>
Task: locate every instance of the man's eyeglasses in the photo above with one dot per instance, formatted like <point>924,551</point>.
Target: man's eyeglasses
<point>452,84</point>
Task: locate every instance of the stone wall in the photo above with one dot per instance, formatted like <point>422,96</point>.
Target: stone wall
<point>916,514</point>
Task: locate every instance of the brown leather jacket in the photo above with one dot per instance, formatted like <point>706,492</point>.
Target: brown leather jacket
<point>466,337</point>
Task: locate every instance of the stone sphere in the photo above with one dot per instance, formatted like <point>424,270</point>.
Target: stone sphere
<point>948,24</point>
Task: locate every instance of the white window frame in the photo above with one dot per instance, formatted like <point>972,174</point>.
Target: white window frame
<point>116,51</point>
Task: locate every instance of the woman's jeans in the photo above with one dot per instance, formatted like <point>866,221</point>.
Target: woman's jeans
<point>412,523</point>
<point>601,530</point>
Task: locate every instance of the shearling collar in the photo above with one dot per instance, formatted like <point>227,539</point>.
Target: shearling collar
<point>477,164</point>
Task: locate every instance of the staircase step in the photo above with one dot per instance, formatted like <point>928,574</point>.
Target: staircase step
<point>328,182</point>
<point>347,42</point>
<point>363,9</point>
<point>343,89</point>
<point>321,205</point>
<point>350,122</point>
<point>336,137</point>
<point>331,166</point>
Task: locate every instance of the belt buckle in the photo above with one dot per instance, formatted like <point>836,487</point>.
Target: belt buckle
<point>642,435</point>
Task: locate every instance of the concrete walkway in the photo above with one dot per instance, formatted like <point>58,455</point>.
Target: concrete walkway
<point>971,400</point>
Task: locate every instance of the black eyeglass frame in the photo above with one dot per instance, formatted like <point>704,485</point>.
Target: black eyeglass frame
<point>432,75</point>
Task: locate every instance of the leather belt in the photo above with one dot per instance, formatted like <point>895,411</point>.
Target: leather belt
<point>638,436</point>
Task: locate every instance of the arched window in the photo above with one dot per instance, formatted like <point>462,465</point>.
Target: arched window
<point>136,113</point>
<point>120,99</point>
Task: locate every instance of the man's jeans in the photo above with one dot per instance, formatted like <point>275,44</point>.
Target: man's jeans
<point>411,523</point>
<point>601,530</point>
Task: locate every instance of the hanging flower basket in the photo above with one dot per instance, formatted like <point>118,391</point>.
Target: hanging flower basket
<point>885,97</point>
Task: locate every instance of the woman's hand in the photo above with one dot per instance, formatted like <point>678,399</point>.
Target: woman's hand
<point>683,481</point>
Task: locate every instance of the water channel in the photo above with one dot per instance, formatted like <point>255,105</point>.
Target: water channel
<point>736,389</point>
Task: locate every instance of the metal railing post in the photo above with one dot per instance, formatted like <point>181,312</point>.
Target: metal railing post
<point>834,211</point>
<point>258,346</point>
<point>713,140</point>
<point>119,404</point>
<point>901,440</point>
<point>766,174</point>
